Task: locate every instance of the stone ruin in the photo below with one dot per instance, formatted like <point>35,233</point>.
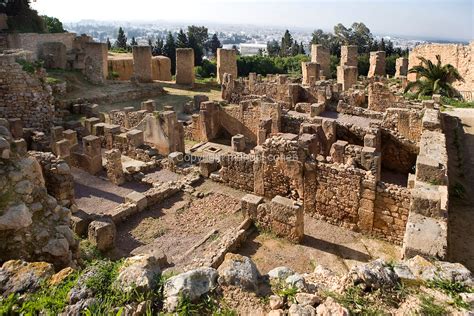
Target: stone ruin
<point>349,152</point>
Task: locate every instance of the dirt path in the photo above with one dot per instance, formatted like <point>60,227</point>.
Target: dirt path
<point>461,177</point>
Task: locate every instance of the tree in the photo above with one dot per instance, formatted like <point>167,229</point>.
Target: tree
<point>21,18</point>
<point>121,42</point>
<point>301,50</point>
<point>181,40</point>
<point>150,43</point>
<point>214,44</point>
<point>53,25</point>
<point>109,45</point>
<point>286,44</point>
<point>158,47</point>
<point>169,50</point>
<point>434,78</point>
<point>133,42</point>
<point>198,49</point>
<point>273,48</point>
<point>200,34</point>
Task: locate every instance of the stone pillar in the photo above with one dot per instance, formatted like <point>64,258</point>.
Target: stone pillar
<point>185,66</point>
<point>347,76</point>
<point>114,166</point>
<point>377,64</point>
<point>238,143</point>
<point>321,56</point>
<point>148,106</point>
<point>226,63</point>
<point>337,151</point>
<point>310,70</point>
<point>142,64</point>
<point>96,67</point>
<point>349,55</point>
<point>92,154</point>
<point>401,67</point>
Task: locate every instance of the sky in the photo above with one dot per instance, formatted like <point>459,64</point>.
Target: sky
<point>443,19</point>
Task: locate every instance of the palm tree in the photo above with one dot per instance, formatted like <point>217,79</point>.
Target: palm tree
<point>434,78</point>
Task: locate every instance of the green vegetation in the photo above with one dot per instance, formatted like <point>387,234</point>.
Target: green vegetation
<point>30,67</point>
<point>428,307</point>
<point>457,103</point>
<point>433,78</point>
<point>270,65</point>
<point>208,69</point>
<point>453,289</point>
<point>53,25</point>
<point>52,80</point>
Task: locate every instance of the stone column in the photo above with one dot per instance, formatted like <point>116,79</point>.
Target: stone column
<point>401,67</point>
<point>226,63</point>
<point>377,64</point>
<point>92,154</point>
<point>142,70</point>
<point>321,56</point>
<point>185,66</point>
<point>310,72</point>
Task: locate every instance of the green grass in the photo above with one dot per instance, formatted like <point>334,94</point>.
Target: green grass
<point>453,289</point>
<point>49,300</point>
<point>457,103</point>
<point>428,307</point>
<point>52,80</point>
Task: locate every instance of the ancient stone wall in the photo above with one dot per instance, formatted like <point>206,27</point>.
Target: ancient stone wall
<point>226,63</point>
<point>333,193</point>
<point>238,171</point>
<point>122,66</point>
<point>24,95</point>
<point>34,41</point>
<point>33,226</point>
<point>460,56</point>
<point>401,67</point>
<point>381,98</point>
<point>391,208</point>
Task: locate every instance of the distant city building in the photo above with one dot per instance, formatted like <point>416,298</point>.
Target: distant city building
<point>252,49</point>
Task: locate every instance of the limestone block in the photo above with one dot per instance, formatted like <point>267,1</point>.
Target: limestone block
<point>310,72</point>
<point>16,127</point>
<point>142,70</point>
<point>185,66</point>
<point>431,120</point>
<point>80,221</point>
<point>430,170</point>
<point>102,233</point>
<point>401,67</point>
<point>238,143</point>
<point>138,199</point>
<point>135,137</point>
<point>197,100</point>
<point>349,55</point>
<point>161,68</point>
<point>377,64</point>
<point>317,109</point>
<point>148,106</point>
<point>347,76</point>
<point>426,201</point>
<point>337,151</point>
<point>321,56</point>
<point>208,166</point>
<point>425,236</point>
<point>20,147</point>
<point>71,136</point>
<point>89,124</point>
<point>226,63</point>
<point>175,157</point>
<point>249,204</point>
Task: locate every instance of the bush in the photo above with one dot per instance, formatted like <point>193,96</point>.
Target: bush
<point>30,67</point>
<point>208,69</point>
<point>27,21</point>
<point>265,65</point>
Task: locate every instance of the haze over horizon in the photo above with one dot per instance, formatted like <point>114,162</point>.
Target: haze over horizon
<point>451,20</point>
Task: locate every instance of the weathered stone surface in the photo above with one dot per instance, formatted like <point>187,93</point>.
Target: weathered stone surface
<point>101,233</point>
<point>239,271</point>
<point>191,284</point>
<point>300,310</point>
<point>17,276</point>
<point>373,275</point>
<point>331,308</point>
<point>138,273</point>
